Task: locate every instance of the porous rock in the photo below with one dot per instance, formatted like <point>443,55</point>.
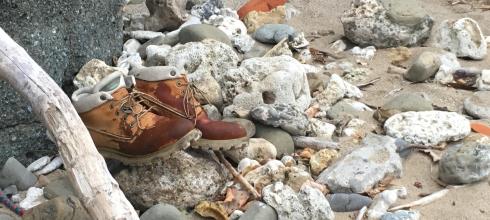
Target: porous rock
<point>268,80</point>
<point>256,19</point>
<point>360,170</point>
<point>449,65</point>
<point>462,37</point>
<point>336,90</point>
<point>205,62</point>
<point>315,203</point>
<point>229,25</point>
<point>94,71</point>
<point>174,181</point>
<point>386,23</point>
<point>478,105</point>
<point>287,117</point>
<point>466,162</point>
<point>258,149</point>
<point>322,159</point>
<point>428,128</point>
<point>259,211</point>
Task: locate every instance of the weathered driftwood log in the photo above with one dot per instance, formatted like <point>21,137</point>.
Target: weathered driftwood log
<point>98,191</point>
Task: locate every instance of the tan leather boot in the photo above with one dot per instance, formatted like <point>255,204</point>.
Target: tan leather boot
<point>124,129</point>
<point>169,89</point>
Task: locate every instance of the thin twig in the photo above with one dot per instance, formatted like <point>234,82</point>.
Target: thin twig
<point>370,83</point>
<point>237,176</point>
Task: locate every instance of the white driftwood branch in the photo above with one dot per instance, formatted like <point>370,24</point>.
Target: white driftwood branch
<point>98,191</point>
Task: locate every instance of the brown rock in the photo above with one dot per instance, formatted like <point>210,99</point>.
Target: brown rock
<point>256,19</point>
<point>60,208</point>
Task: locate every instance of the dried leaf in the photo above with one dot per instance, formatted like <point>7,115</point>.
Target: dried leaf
<point>211,210</point>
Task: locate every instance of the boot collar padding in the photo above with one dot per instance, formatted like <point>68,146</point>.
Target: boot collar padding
<point>156,73</point>
<point>88,98</point>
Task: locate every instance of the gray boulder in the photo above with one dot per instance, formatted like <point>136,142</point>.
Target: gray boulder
<point>360,170</point>
<point>386,23</point>
<point>404,102</point>
<point>282,140</point>
<point>273,33</point>
<point>61,36</point>
<point>14,173</point>
<point>464,163</point>
<point>165,15</point>
<point>478,105</point>
<point>199,32</point>
<point>287,117</point>
<point>174,181</point>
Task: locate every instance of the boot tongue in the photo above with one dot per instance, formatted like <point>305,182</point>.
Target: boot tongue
<point>111,86</point>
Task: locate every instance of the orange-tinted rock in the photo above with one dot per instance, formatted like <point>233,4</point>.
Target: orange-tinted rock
<point>481,128</point>
<point>259,5</point>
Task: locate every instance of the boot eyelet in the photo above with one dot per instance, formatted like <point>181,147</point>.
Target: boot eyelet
<point>179,83</point>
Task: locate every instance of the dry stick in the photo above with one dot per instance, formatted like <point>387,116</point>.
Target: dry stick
<point>87,171</point>
<point>237,176</point>
<point>370,83</point>
<point>426,200</point>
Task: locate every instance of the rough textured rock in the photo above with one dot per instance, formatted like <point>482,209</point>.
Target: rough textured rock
<point>404,102</point>
<point>156,54</point>
<point>205,62</point>
<point>60,208</point>
<point>308,204</point>
<point>94,71</point>
<point>165,15</point>
<point>256,19</point>
<point>282,140</point>
<point>59,187</point>
<point>199,32</point>
<point>259,211</point>
<point>342,202</point>
<point>273,33</point>
<point>315,203</point>
<point>364,167</point>
<point>401,215</point>
<point>287,117</point>
<point>231,26</point>
<point>207,9</point>
<point>174,181</point>
<point>449,65</point>
<point>336,90</point>
<point>319,128</point>
<point>162,212</point>
<point>322,159</point>
<point>462,37</point>
<point>466,162</point>
<point>386,23</point>
<point>243,43</point>
<point>270,80</point>
<point>61,37</point>
<point>478,105</point>
<point>258,149</point>
<point>212,112</point>
<point>428,128</point>
<point>423,67</point>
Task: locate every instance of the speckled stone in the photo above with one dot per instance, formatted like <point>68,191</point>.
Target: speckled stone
<point>61,36</point>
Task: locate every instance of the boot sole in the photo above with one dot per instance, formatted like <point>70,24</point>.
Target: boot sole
<point>163,154</point>
<point>205,144</point>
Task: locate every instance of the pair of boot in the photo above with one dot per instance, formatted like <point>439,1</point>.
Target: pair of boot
<point>148,115</point>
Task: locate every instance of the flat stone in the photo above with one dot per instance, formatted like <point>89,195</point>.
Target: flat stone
<point>423,67</point>
<point>199,32</point>
<point>162,212</point>
<point>259,211</point>
<point>279,138</point>
<point>404,102</point>
<point>343,202</point>
<point>347,107</point>
<point>360,170</point>
<point>428,128</point>
<point>478,105</point>
<point>14,173</point>
<point>466,162</point>
<point>60,208</point>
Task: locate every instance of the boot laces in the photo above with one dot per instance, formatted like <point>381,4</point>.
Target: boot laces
<point>189,101</point>
<point>131,105</point>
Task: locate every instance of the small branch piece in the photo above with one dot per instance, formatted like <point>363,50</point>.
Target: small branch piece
<point>423,201</point>
<point>237,176</point>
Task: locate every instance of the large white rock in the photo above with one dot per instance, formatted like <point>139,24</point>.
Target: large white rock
<point>94,71</point>
<point>337,89</point>
<point>266,80</point>
<point>258,149</point>
<point>462,37</point>
<point>359,171</point>
<point>428,128</point>
<point>386,23</point>
<point>449,65</point>
<point>205,62</point>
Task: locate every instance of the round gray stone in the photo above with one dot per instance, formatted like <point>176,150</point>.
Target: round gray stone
<point>345,202</point>
<point>199,32</point>
<point>162,211</point>
<point>259,211</point>
<point>281,139</point>
<point>478,105</point>
<point>273,33</point>
<point>464,163</point>
<point>423,67</point>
